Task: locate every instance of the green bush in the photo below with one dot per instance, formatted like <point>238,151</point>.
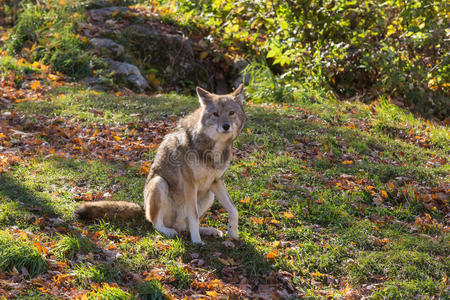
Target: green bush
<point>394,47</point>
<point>50,31</point>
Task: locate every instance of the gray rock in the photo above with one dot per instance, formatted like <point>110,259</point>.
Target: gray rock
<point>107,11</point>
<point>131,73</point>
<point>96,84</point>
<point>109,45</point>
<point>171,54</point>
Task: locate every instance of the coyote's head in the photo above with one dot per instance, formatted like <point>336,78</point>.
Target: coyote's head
<point>222,115</point>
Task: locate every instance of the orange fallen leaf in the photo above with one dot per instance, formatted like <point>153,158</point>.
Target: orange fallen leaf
<point>288,215</point>
<point>347,162</point>
<point>257,220</point>
<point>384,193</point>
<point>246,200</point>
<point>272,255</point>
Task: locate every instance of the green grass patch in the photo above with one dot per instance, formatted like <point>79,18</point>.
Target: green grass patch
<point>409,265</point>
<point>69,246</point>
<point>180,276</point>
<point>151,290</point>
<point>19,254</point>
<point>86,274</point>
<point>107,292</point>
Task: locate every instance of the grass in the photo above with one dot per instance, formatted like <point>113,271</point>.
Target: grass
<point>69,246</point>
<point>17,254</point>
<point>151,290</point>
<point>180,277</point>
<point>107,292</point>
<point>86,274</point>
<point>329,203</point>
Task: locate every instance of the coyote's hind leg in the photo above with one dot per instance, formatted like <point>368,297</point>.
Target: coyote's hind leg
<point>156,203</point>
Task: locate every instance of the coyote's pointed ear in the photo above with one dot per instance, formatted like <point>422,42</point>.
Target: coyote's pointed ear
<point>204,97</point>
<point>238,94</point>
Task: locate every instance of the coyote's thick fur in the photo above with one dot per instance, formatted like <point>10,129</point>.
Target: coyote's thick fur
<point>187,171</point>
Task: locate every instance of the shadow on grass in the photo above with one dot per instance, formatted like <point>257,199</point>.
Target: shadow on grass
<point>13,191</point>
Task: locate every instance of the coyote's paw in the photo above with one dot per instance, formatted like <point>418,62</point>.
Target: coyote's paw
<point>199,242</point>
<point>211,231</point>
<point>168,232</point>
<point>233,234</point>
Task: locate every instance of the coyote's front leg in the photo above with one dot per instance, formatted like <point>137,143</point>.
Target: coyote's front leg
<point>219,189</point>
<point>192,214</point>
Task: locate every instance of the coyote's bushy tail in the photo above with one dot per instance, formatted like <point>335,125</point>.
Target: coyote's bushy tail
<point>121,210</point>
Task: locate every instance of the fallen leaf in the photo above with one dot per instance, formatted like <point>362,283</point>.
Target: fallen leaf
<point>272,254</point>
<point>288,215</point>
<point>246,200</point>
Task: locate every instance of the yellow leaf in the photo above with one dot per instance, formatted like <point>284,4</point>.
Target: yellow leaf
<point>288,215</point>
<point>35,84</point>
<point>276,244</point>
<point>384,193</point>
<point>347,162</point>
<point>272,254</point>
<point>391,30</point>
<point>116,138</point>
<point>249,131</point>
<point>211,293</point>
<point>203,54</point>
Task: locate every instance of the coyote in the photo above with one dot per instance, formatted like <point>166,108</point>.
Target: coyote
<point>187,171</point>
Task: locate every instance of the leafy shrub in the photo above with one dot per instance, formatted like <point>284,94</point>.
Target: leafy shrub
<point>387,46</point>
<point>50,31</point>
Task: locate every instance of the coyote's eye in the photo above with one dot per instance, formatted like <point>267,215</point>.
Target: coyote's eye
<point>231,113</point>
<point>216,114</point>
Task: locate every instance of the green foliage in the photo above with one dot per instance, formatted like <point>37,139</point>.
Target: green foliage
<point>151,290</point>
<point>50,31</point>
<point>18,254</point>
<point>86,274</point>
<point>108,292</point>
<point>395,47</point>
<point>180,276</point>
<point>69,246</point>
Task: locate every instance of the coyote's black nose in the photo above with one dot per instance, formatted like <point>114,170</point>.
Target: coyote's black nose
<point>226,126</point>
